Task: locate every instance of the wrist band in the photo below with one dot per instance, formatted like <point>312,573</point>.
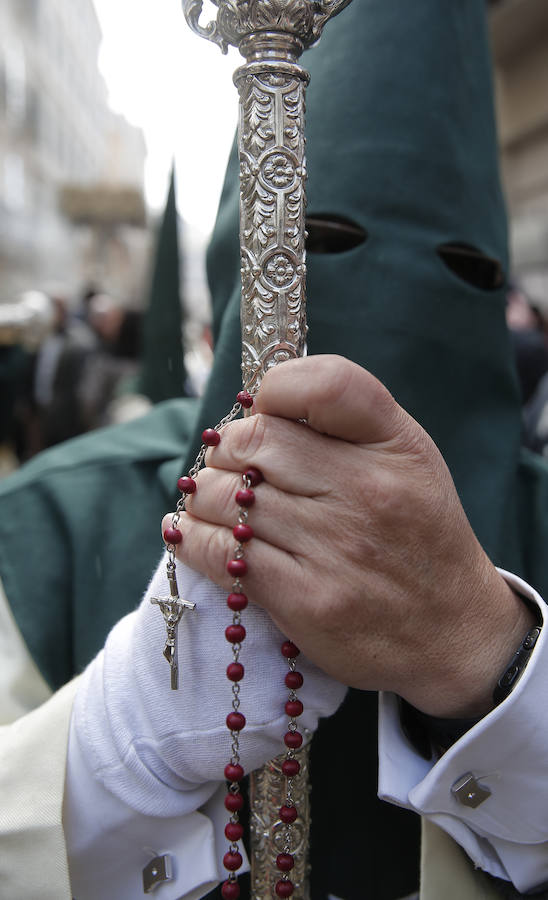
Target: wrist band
<point>516,667</point>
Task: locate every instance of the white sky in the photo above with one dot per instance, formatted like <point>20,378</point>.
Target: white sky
<point>178,88</point>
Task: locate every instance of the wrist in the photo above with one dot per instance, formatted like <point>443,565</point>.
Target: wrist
<point>512,619</point>
<point>430,733</point>
<point>478,651</point>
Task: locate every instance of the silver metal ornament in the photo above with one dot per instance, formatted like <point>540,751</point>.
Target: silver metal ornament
<point>271,35</point>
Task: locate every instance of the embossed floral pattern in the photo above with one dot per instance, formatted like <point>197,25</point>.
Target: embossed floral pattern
<point>279,270</point>
<point>278,171</point>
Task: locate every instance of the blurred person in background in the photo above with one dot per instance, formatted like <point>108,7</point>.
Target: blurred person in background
<point>58,370</point>
<point>15,369</point>
<point>528,331</point>
<point>110,372</point>
<point>25,325</point>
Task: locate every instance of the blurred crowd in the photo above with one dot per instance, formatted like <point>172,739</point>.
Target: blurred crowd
<point>62,371</point>
<point>66,371</point>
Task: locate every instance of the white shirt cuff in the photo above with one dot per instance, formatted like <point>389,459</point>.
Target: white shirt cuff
<point>507,834</point>
<point>109,844</point>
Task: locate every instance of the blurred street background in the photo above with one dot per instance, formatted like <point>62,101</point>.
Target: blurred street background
<point>115,126</point>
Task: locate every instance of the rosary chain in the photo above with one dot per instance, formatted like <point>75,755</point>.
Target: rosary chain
<point>199,461</point>
<point>235,634</point>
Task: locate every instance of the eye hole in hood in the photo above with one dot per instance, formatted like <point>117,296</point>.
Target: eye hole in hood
<point>332,234</point>
<point>472,266</point>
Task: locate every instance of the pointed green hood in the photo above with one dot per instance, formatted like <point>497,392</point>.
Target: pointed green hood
<point>401,142</point>
<point>163,374</point>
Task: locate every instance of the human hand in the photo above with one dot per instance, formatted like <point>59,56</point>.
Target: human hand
<point>362,552</point>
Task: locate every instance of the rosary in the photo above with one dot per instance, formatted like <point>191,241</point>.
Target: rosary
<point>173,608</point>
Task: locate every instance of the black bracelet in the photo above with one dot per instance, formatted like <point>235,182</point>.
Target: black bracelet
<point>516,666</point>
<point>426,732</point>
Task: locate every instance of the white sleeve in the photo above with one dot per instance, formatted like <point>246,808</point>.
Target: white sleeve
<point>506,835</point>
<point>109,844</point>
<point>144,762</point>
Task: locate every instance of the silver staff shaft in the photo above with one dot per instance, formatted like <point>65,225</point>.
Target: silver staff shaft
<point>272,209</point>
<point>271,35</point>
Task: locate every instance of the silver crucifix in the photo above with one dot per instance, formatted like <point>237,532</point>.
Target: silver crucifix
<point>172,609</point>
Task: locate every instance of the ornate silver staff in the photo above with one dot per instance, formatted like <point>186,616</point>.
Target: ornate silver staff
<point>271,35</point>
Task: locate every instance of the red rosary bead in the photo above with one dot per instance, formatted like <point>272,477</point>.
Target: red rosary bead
<point>242,533</point>
<point>234,831</point>
<point>288,814</point>
<point>245,399</point>
<point>230,890</point>
<point>293,739</point>
<point>289,650</point>
<point>285,862</point>
<point>234,802</point>
<point>232,860</point>
<point>172,536</point>
<point>294,680</point>
<point>236,634</point>
<point>284,887</point>
<point>236,602</point>
<point>234,772</point>
<point>186,484</point>
<point>235,671</point>
<point>291,767</point>
<point>210,437</point>
<point>294,708</point>
<point>235,721</point>
<point>245,497</point>
<point>237,567</point>
<point>255,476</point>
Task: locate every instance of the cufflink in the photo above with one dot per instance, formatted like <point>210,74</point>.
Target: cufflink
<point>469,792</point>
<point>158,871</point>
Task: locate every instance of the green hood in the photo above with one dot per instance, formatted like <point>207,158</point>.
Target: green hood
<point>402,142</point>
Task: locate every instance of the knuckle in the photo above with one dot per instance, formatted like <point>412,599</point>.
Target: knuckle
<point>336,375</point>
<point>216,490</point>
<point>414,442</point>
<point>340,379</point>
<point>215,550</point>
<point>381,403</point>
<point>248,439</point>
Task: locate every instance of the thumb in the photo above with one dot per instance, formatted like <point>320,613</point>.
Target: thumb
<point>335,396</point>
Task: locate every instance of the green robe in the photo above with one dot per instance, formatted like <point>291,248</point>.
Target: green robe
<point>401,141</point>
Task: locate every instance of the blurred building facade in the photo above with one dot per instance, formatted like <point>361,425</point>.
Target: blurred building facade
<point>519,33</point>
<point>57,135</point>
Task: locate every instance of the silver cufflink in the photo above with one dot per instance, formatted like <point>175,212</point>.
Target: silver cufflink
<point>158,871</point>
<point>470,792</point>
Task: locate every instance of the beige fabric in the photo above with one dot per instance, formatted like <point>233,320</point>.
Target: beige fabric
<point>33,864</point>
<point>445,870</point>
<point>23,687</point>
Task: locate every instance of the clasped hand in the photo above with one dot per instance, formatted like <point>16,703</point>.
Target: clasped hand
<point>362,553</point>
